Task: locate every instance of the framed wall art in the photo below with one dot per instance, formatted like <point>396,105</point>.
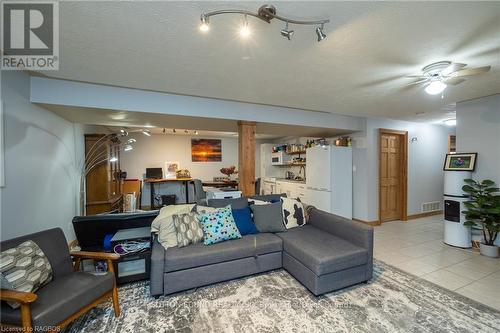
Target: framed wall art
<point>460,162</point>
<point>206,150</point>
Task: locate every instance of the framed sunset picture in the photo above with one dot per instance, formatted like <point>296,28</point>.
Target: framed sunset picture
<point>206,150</point>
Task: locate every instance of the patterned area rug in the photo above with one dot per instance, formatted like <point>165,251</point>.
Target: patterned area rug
<point>394,301</point>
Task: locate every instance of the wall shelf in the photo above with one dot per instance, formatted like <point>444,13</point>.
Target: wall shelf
<point>292,164</point>
<point>296,152</point>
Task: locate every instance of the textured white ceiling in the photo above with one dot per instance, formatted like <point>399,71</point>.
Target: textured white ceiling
<point>357,70</point>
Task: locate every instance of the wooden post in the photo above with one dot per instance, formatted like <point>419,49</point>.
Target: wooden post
<point>246,157</point>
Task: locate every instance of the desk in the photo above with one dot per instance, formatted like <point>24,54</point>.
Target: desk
<point>232,183</point>
<point>152,182</point>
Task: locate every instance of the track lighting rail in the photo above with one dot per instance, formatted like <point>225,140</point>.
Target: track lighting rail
<point>265,13</point>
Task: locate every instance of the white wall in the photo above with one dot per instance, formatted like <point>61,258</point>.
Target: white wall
<point>478,130</point>
<point>77,94</point>
<point>40,179</point>
<point>154,151</point>
<point>425,165</point>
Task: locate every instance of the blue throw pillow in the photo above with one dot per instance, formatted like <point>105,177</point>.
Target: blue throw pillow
<point>244,221</point>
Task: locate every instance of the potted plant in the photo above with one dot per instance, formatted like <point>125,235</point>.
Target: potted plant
<point>229,172</point>
<point>483,210</point>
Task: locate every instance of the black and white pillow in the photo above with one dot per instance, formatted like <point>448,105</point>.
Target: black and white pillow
<point>293,213</point>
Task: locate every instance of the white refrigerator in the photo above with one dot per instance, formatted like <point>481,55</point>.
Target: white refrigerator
<point>329,179</point>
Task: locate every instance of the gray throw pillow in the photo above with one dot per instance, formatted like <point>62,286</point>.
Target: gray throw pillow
<point>236,203</point>
<point>268,218</point>
<point>24,268</point>
<point>188,229</point>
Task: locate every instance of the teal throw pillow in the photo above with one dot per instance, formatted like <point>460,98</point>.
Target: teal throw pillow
<point>219,226</point>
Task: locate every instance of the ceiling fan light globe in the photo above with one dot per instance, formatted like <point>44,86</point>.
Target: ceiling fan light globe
<point>435,87</point>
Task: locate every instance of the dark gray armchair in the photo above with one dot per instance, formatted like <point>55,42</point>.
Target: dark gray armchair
<point>199,193</point>
<point>69,294</point>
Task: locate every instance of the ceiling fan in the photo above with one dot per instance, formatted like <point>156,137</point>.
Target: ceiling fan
<point>438,75</point>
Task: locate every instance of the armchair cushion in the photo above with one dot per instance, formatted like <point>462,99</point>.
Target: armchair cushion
<point>61,298</point>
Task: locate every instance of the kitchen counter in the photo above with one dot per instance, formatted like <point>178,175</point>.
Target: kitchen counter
<point>290,181</point>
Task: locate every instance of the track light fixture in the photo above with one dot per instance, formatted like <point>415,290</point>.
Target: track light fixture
<point>319,32</point>
<point>146,132</point>
<point>245,30</point>
<point>287,33</point>
<point>174,131</point>
<point>265,13</point>
<point>204,27</point>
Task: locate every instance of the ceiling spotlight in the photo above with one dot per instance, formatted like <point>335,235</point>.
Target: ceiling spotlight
<point>174,131</point>
<point>186,131</point>
<point>146,132</point>
<point>450,122</point>
<point>196,132</point>
<point>435,87</point>
<point>113,159</point>
<point>164,130</point>
<point>204,23</point>
<point>131,140</point>
<point>287,33</point>
<point>319,32</point>
<point>245,30</point>
<point>128,148</point>
<point>123,132</point>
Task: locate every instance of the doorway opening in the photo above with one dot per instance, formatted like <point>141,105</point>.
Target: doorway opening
<point>393,171</point>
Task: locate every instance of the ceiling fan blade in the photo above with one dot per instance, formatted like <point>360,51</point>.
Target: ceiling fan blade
<point>453,67</point>
<point>454,80</point>
<point>417,76</point>
<point>418,82</point>
<point>471,71</point>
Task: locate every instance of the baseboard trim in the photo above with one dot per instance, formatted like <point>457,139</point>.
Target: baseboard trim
<point>417,216</point>
<point>372,223</point>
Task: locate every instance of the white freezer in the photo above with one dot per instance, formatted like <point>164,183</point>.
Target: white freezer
<point>319,199</point>
<point>329,178</point>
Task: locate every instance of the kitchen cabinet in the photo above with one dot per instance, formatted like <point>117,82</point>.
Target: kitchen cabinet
<point>292,189</point>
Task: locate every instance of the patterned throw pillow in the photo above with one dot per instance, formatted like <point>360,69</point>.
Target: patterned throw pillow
<point>24,268</point>
<point>293,213</point>
<point>188,229</point>
<point>219,226</point>
<point>163,224</point>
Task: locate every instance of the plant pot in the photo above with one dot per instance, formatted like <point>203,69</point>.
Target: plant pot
<point>489,250</point>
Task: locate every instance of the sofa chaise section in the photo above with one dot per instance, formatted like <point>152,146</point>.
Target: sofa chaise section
<point>328,253</point>
<point>177,269</point>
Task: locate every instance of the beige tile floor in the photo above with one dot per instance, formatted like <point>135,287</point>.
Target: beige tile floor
<point>417,247</point>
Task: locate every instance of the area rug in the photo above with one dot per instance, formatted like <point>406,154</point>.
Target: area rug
<point>393,301</point>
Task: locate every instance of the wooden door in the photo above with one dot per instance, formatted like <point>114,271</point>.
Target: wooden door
<point>392,177</point>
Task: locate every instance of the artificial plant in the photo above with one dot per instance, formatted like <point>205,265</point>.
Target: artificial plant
<point>483,208</point>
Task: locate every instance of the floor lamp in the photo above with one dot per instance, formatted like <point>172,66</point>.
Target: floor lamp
<point>96,156</point>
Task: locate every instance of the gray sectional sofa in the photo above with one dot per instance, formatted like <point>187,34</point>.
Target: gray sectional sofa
<point>326,254</point>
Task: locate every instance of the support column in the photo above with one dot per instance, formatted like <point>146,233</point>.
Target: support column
<point>246,157</point>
